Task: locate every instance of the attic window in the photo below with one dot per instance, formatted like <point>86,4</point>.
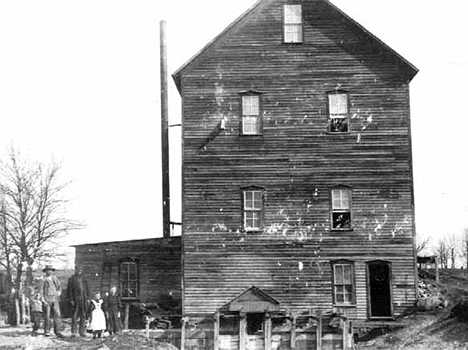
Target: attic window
<point>338,112</point>
<point>251,115</point>
<point>292,23</point>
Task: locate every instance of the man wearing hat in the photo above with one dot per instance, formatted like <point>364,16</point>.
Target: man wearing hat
<point>51,290</point>
<point>78,293</point>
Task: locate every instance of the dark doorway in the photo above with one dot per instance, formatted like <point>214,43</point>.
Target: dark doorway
<point>380,289</point>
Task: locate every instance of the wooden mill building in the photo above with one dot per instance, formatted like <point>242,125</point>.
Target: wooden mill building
<point>297,179</point>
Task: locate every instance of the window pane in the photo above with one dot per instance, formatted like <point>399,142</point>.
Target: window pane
<point>338,274</point>
<point>339,295</point>
<point>257,204</point>
<point>250,105</point>
<point>250,125</point>
<point>292,33</point>
<point>248,204</point>
<point>252,219</point>
<point>253,200</point>
<point>347,274</point>
<point>292,14</point>
<point>338,104</point>
<point>341,199</point>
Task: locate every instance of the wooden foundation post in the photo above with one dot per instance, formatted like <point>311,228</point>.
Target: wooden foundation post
<point>216,331</point>
<point>242,331</point>
<point>126,315</point>
<point>293,332</point>
<point>319,332</point>
<point>267,331</point>
<point>182,333</point>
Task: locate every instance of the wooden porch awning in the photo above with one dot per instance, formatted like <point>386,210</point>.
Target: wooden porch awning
<point>252,300</point>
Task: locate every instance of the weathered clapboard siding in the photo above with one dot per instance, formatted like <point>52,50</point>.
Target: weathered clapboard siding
<point>297,162</point>
<point>159,261</point>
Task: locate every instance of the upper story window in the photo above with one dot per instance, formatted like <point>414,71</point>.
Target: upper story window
<point>129,279</point>
<point>338,112</point>
<point>251,114</point>
<point>292,22</point>
<point>343,283</point>
<point>341,209</point>
<point>253,209</point>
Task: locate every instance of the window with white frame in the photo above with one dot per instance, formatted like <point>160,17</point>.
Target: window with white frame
<point>338,112</point>
<point>253,209</point>
<point>292,22</point>
<point>251,114</point>
<point>341,208</point>
<point>343,283</point>
<point>129,281</point>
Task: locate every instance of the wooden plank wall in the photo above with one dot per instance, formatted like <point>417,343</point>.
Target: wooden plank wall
<point>159,265</point>
<point>297,162</point>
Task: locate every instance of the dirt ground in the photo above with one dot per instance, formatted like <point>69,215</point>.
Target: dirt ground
<point>435,329</point>
<point>427,330</point>
<point>21,338</point>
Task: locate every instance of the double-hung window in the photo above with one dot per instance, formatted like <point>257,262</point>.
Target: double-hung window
<point>253,209</point>
<point>129,280</point>
<point>251,114</point>
<point>341,208</point>
<point>343,283</point>
<point>338,112</point>
<point>292,22</point>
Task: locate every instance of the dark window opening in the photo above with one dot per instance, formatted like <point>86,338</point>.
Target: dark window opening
<point>338,125</point>
<point>341,220</point>
<point>254,323</point>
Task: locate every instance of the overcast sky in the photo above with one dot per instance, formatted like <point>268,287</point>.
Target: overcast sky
<point>79,82</point>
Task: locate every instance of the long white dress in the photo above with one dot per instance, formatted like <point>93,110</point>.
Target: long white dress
<point>98,319</point>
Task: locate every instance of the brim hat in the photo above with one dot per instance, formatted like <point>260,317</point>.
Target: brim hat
<point>48,267</point>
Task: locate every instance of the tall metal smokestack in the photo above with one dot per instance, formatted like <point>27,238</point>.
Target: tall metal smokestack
<point>164,133</point>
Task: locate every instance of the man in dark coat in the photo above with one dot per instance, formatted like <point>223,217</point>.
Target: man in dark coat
<point>78,293</point>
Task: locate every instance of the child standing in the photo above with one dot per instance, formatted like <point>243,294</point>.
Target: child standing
<point>36,312</point>
<point>98,320</point>
<point>112,306</point>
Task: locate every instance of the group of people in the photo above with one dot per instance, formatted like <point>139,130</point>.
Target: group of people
<point>88,313</point>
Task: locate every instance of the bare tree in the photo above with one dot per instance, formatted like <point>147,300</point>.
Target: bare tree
<point>443,253</point>
<point>33,213</point>
<point>452,244</point>
<point>464,247</point>
<point>422,244</point>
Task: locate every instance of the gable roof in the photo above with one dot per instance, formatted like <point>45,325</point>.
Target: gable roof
<point>252,300</point>
<point>409,70</point>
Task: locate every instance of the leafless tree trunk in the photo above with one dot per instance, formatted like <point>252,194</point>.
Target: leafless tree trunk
<point>464,248</point>
<point>452,243</point>
<point>33,212</point>
<point>442,253</point>
<point>422,244</point>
